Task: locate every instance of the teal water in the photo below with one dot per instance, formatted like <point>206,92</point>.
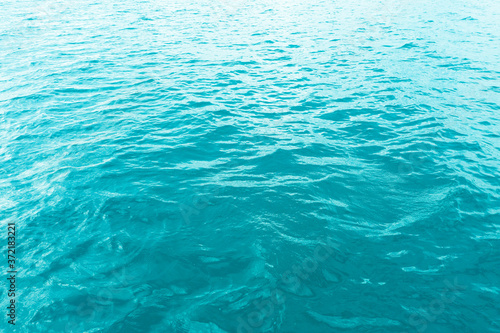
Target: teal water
<point>266,166</point>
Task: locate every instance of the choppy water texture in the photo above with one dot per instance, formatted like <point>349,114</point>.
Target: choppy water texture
<point>265,166</point>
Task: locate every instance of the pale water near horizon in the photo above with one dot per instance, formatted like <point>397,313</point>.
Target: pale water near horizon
<point>265,166</point>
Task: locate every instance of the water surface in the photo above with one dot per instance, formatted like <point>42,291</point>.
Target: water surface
<point>263,166</point>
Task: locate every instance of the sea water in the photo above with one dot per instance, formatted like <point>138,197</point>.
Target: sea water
<point>251,166</point>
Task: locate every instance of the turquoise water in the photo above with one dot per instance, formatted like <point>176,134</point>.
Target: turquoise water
<point>266,166</point>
